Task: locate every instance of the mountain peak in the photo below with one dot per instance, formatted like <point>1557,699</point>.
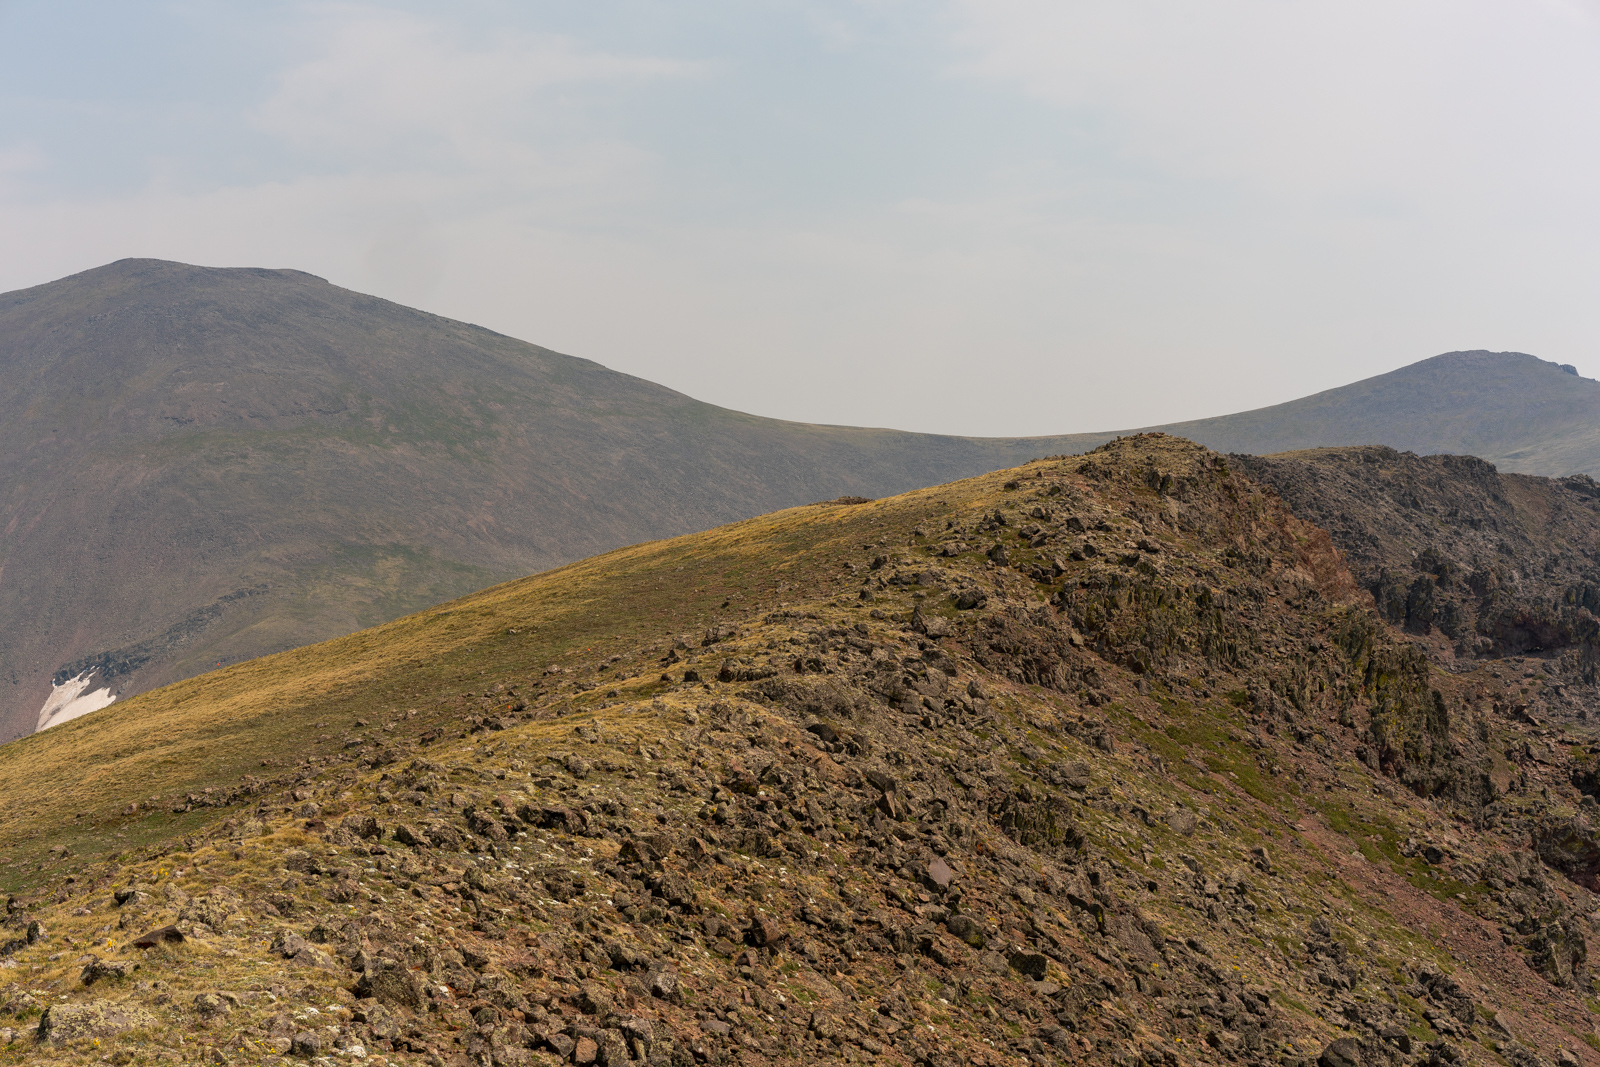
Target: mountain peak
<point>1516,410</point>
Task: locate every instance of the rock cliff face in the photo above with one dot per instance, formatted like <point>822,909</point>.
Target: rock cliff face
<point>1104,759</point>
<point>1474,563</point>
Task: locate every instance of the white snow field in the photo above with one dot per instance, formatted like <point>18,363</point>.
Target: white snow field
<point>71,699</point>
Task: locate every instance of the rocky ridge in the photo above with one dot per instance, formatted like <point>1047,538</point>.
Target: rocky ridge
<point>1103,759</point>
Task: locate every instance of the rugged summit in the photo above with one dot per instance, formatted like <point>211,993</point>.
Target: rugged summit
<point>1105,759</point>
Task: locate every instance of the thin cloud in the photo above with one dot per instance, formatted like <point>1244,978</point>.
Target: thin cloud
<point>388,80</point>
<point>873,211</point>
<point>1417,101</point>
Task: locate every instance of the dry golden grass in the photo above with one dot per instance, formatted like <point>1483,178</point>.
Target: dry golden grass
<point>72,785</point>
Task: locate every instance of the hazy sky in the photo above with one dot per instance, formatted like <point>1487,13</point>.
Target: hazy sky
<point>998,217</point>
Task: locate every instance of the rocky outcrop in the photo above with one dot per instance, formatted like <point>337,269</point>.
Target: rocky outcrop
<point>62,1024</point>
<point>1448,546</point>
<point>1572,846</point>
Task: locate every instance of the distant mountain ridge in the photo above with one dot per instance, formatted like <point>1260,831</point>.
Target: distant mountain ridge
<point>1523,414</point>
<point>202,465</point>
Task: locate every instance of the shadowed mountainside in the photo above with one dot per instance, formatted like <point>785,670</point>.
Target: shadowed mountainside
<point>200,466</point>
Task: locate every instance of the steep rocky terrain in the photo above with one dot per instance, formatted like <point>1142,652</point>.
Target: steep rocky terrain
<point>1105,759</point>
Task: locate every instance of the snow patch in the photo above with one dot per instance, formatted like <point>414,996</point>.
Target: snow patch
<point>72,699</point>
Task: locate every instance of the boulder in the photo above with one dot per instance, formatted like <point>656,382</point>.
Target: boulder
<point>1342,1052</point>
<point>307,1043</point>
<point>392,983</point>
<point>966,929</point>
<point>1073,775</point>
<point>287,943</point>
<point>1031,964</point>
<point>381,1022</point>
<point>1037,819</point>
<point>160,935</point>
<point>405,835</point>
<point>765,931</point>
<point>485,825</point>
<point>211,1006</point>
<point>62,1023</point>
<point>638,1030</point>
<point>613,1050</point>
<point>362,826</point>
<point>97,969</point>
<point>662,982</point>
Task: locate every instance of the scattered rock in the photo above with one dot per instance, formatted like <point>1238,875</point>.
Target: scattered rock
<point>1571,846</point>
<point>1342,1052</point>
<point>162,934</point>
<point>98,969</point>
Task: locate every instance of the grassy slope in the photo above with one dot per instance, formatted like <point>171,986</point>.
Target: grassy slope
<point>172,436</point>
<point>213,730</point>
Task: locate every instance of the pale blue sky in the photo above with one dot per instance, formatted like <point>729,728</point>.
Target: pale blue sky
<point>1007,217</point>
